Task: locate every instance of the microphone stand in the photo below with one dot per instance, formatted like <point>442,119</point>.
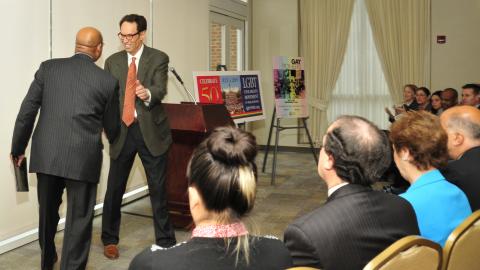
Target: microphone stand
<point>171,69</point>
<point>190,94</point>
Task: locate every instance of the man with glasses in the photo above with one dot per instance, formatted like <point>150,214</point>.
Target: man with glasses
<point>142,74</point>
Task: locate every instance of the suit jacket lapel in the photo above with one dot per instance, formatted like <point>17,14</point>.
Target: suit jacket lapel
<point>122,66</point>
<point>143,64</point>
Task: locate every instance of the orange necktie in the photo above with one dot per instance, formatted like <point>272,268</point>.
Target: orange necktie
<point>128,115</point>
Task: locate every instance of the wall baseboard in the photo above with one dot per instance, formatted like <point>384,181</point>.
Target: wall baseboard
<point>32,235</point>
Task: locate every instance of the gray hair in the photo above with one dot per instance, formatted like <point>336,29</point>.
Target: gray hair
<point>465,125</point>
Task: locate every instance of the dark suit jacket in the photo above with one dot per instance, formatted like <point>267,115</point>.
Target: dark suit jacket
<point>465,173</point>
<point>152,119</point>
<point>77,100</point>
<point>210,253</point>
<point>355,224</point>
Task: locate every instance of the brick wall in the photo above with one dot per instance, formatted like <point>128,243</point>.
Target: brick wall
<point>216,46</point>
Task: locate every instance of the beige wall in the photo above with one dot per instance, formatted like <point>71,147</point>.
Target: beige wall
<point>21,57</point>
<point>275,33</point>
<point>180,28</point>
<point>457,61</point>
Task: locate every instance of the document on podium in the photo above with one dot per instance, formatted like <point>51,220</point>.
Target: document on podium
<point>21,175</point>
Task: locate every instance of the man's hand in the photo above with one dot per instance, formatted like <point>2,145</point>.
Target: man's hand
<point>17,160</point>
<point>141,92</point>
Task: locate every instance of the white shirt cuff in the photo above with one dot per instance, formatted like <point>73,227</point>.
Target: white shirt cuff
<point>147,102</point>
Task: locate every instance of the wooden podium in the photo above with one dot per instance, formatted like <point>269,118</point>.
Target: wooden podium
<point>190,124</point>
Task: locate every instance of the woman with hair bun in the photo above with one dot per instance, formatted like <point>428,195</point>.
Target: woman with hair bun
<point>222,185</point>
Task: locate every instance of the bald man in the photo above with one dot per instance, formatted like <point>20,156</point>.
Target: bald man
<point>462,125</point>
<point>76,100</point>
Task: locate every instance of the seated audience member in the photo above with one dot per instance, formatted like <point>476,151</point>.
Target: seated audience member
<point>462,125</point>
<point>449,98</point>
<point>436,102</point>
<point>422,95</point>
<point>471,95</point>
<point>222,183</point>
<point>409,101</point>
<point>356,223</point>
<point>420,147</point>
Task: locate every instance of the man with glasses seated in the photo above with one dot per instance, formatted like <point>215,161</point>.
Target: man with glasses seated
<point>142,73</point>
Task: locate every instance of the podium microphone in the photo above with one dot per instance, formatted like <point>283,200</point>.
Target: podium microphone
<point>172,69</point>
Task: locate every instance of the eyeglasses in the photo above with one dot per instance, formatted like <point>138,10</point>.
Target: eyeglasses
<point>127,36</point>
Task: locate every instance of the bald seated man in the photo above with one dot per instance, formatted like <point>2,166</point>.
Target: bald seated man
<point>462,124</point>
<point>76,100</point>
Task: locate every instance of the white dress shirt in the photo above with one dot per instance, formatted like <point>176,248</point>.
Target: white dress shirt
<point>334,188</point>
<point>137,56</point>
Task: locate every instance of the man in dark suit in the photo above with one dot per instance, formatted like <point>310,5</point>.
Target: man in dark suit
<point>142,73</point>
<point>77,100</point>
<point>462,125</point>
<point>356,223</point>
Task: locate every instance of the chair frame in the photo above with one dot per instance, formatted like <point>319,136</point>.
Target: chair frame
<point>456,234</point>
<point>400,246</point>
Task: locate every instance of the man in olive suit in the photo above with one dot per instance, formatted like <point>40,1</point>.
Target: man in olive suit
<point>142,74</point>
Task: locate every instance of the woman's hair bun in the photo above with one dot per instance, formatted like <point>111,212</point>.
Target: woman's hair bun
<point>232,146</point>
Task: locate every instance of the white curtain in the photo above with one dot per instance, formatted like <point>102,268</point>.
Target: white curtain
<point>361,88</point>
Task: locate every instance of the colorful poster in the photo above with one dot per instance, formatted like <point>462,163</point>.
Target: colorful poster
<point>289,85</point>
<point>209,89</point>
<point>238,90</point>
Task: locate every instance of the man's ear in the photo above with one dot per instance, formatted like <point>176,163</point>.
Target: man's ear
<point>329,163</point>
<point>142,35</point>
<point>457,139</point>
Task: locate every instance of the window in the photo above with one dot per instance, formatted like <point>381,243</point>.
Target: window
<point>361,88</point>
<point>227,42</point>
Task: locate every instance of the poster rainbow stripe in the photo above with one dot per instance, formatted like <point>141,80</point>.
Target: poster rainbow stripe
<point>289,84</point>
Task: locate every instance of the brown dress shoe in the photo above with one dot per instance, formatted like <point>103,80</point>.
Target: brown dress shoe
<point>111,251</point>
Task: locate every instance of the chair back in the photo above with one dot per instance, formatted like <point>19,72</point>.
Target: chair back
<point>462,248</point>
<point>411,252</point>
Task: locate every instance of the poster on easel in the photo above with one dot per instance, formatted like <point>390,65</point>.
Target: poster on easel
<point>240,91</point>
<point>289,87</point>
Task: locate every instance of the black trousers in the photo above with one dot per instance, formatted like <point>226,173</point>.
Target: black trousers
<point>155,170</point>
<point>78,226</point>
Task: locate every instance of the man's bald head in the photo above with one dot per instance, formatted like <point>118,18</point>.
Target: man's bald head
<point>462,124</point>
<point>89,41</point>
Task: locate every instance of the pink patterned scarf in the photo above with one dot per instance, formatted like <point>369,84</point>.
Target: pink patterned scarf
<point>220,231</point>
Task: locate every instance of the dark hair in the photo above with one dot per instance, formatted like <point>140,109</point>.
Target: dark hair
<point>223,170</point>
<point>424,89</point>
<point>361,152</point>
<point>453,90</point>
<point>438,94</point>
<point>135,18</point>
<point>421,133</point>
<point>475,87</point>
